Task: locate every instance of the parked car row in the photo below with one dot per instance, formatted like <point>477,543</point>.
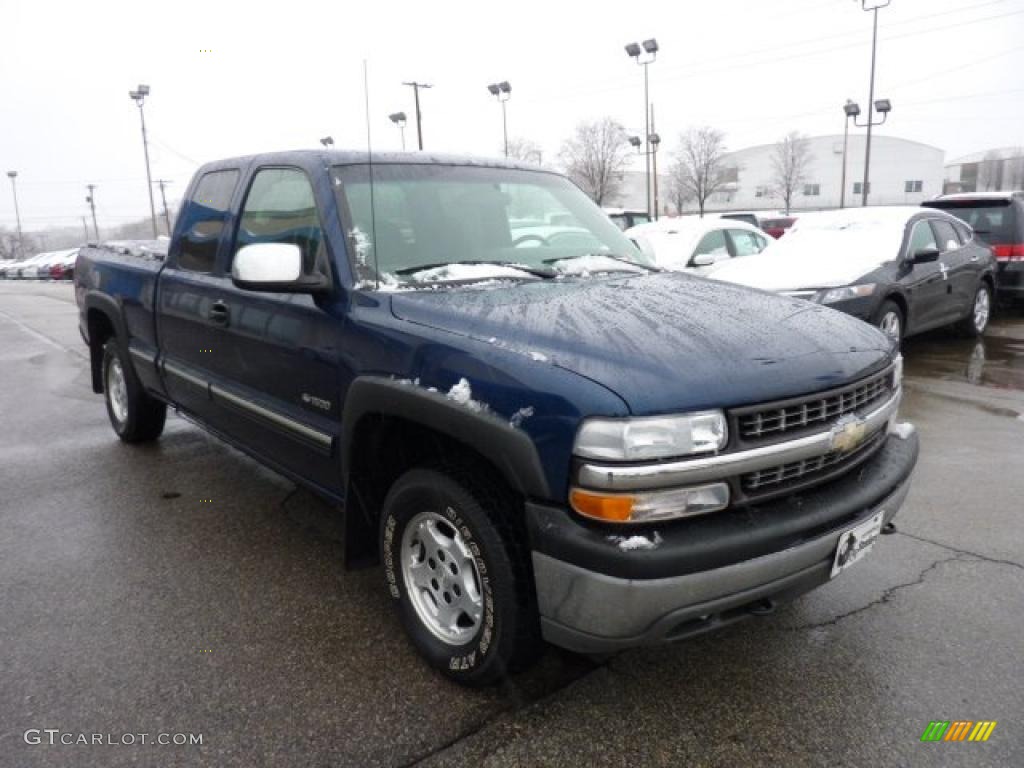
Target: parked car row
<point>52,265</point>
<point>904,269</point>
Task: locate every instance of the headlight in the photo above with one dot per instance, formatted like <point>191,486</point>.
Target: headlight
<point>650,506</point>
<point>832,295</point>
<point>657,437</point>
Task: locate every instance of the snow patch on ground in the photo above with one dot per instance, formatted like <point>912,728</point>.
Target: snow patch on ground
<point>902,429</point>
<point>462,393</point>
<point>633,543</point>
<point>520,416</point>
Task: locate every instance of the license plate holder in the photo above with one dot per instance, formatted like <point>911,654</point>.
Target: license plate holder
<point>856,542</point>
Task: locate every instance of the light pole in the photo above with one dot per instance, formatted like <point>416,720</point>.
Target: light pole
<point>327,141</point>
<point>882,107</point>
<point>652,152</point>
<point>91,200</point>
<point>851,109</point>
<point>637,52</point>
<point>139,97</point>
<point>873,6</point>
<point>163,198</point>
<point>503,92</point>
<point>13,175</point>
<point>398,118</point>
<point>419,116</point>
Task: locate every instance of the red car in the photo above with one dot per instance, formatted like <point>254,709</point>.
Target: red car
<point>777,227</point>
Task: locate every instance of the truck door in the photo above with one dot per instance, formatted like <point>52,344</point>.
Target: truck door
<point>189,311</point>
<point>274,382</point>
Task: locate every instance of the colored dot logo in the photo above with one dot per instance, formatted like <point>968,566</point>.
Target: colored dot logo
<point>206,650</point>
<point>206,501</point>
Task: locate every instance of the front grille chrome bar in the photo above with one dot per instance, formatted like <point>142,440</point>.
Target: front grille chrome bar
<point>669,474</point>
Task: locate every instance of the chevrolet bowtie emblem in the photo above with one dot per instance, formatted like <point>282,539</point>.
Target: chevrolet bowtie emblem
<point>848,433</point>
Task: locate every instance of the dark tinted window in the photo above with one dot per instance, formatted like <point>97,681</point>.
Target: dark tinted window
<point>922,238</point>
<point>945,236</point>
<point>992,220</point>
<point>280,208</point>
<point>206,212</point>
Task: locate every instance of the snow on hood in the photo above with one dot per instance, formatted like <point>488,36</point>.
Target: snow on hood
<point>823,250</point>
<point>466,272</point>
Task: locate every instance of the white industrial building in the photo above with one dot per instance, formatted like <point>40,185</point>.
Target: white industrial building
<point>992,170</point>
<point>903,172</point>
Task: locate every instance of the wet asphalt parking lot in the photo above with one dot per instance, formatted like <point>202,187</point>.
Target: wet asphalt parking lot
<point>181,588</point>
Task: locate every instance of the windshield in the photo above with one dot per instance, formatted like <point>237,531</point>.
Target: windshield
<point>440,223</point>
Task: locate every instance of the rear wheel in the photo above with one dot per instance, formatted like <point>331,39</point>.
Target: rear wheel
<point>890,320</point>
<point>135,416</point>
<point>976,321</point>
<point>457,563</point>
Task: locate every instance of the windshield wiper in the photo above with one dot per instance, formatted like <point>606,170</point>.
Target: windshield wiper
<point>545,273</point>
<point>613,256</point>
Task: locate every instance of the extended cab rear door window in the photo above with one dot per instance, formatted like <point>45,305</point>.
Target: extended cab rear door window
<point>206,212</point>
<point>281,208</point>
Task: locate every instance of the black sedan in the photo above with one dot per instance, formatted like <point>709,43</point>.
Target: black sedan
<point>904,269</point>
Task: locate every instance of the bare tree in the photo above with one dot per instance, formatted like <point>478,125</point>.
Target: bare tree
<point>596,157</point>
<point>699,169</point>
<point>525,150</point>
<point>790,162</point>
<point>990,171</point>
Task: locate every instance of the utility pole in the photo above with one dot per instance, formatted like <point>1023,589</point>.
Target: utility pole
<point>653,140</point>
<point>13,175</point>
<point>85,230</point>
<point>419,117</point>
<point>871,93</point>
<point>163,197</point>
<point>91,200</point>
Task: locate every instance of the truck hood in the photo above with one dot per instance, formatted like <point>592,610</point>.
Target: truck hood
<point>665,342</point>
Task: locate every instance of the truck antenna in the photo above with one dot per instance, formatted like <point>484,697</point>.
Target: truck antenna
<point>369,159</point>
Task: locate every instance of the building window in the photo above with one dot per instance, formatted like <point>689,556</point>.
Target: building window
<point>812,190</point>
<point>761,192</point>
<point>912,186</point>
<point>859,186</point>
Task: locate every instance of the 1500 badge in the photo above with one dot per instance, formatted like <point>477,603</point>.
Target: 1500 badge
<point>316,402</point>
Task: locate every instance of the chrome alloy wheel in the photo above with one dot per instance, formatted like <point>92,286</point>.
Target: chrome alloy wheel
<point>117,391</point>
<point>890,325</point>
<point>441,578</point>
<point>982,309</point>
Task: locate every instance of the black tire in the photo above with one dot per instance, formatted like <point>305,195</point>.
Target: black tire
<point>889,310</point>
<point>142,418</point>
<point>488,518</point>
<point>970,325</point>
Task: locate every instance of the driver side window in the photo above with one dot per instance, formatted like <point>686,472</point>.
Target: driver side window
<point>713,244</point>
<point>922,238</point>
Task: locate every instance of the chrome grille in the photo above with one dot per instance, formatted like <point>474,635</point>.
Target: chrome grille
<point>815,409</point>
<point>765,480</point>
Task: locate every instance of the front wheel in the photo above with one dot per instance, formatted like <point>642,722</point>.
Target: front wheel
<point>890,320</point>
<point>135,416</point>
<point>976,321</point>
<point>456,561</point>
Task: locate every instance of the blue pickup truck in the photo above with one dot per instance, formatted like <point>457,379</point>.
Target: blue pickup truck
<point>536,432</point>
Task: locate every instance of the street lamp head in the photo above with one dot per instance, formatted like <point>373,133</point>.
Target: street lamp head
<point>633,50</point>
<point>143,90</point>
<point>12,174</point>
<point>327,141</point>
<point>494,89</point>
<point>883,106</point>
<point>504,87</point>
<point>851,108</point>
<point>651,46</point>
<point>635,141</point>
<point>655,140</point>
<point>398,118</point>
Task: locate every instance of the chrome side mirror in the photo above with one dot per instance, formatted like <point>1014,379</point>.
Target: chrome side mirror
<point>274,267</point>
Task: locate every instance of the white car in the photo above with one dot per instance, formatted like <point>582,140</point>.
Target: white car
<point>697,244</point>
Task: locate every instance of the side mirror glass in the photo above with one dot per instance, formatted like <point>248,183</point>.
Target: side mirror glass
<point>703,260</point>
<point>275,267</point>
<point>924,256</point>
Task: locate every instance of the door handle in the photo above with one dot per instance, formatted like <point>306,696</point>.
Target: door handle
<point>219,313</point>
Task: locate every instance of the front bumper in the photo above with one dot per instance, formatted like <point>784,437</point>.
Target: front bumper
<point>595,597</point>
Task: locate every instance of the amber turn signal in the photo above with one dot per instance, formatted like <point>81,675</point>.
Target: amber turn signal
<point>615,509</point>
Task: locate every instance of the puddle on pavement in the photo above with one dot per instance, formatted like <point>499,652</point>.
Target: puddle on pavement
<point>996,360</point>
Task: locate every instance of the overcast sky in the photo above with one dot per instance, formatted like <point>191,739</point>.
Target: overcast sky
<point>235,78</point>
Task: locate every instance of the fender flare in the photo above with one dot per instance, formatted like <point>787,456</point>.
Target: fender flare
<point>109,308</point>
<point>509,449</point>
